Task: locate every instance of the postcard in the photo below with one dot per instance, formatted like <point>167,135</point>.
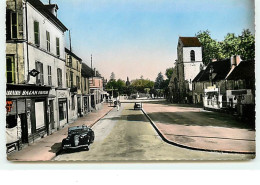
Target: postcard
<point>130,81</point>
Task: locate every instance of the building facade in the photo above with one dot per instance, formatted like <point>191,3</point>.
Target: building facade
<point>36,98</point>
<point>74,84</point>
<point>96,92</point>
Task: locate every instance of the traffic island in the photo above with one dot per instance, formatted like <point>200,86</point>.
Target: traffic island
<point>198,137</point>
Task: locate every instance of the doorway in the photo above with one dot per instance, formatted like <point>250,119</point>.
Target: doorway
<point>24,128</point>
<point>51,114</point>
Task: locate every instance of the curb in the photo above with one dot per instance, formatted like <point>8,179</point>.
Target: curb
<point>188,147</point>
<point>60,150</point>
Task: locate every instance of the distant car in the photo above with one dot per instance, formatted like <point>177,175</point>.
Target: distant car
<point>138,105</point>
<point>78,137</point>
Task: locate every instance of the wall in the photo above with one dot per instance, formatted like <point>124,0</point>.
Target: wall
<point>40,54</point>
<point>191,69</point>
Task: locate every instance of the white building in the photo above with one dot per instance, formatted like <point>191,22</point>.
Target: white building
<point>36,69</point>
<point>187,66</point>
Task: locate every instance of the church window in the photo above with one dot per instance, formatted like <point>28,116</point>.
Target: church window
<point>192,55</point>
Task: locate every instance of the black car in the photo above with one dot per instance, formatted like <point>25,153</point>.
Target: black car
<point>138,105</point>
<point>78,137</point>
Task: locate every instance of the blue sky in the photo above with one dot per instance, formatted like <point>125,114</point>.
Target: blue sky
<point>139,37</point>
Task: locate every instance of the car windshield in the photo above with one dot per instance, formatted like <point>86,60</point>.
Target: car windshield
<point>77,128</point>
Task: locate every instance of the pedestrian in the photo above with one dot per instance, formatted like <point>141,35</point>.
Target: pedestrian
<point>117,105</point>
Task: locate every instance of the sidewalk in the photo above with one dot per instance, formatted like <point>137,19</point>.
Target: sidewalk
<point>46,148</point>
<point>193,128</point>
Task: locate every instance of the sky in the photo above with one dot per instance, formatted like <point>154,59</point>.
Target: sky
<point>135,38</point>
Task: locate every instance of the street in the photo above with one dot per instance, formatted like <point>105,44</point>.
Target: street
<point>127,135</point>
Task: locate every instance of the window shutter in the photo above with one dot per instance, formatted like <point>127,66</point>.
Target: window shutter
<point>42,76</point>
<point>36,33</point>
<point>20,25</point>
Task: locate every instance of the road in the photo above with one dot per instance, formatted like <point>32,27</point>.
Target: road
<point>127,135</point>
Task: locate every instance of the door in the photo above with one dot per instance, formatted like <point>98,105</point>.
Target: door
<point>51,114</point>
<point>79,106</point>
<point>24,128</point>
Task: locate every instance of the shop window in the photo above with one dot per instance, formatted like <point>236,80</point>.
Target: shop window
<point>192,55</point>
<point>10,71</point>
<point>59,75</point>
<point>57,46</point>
<point>39,114</point>
<point>40,76</point>
<point>11,121</point>
<point>62,110</point>
<point>49,76</point>
<point>36,33</point>
<point>48,41</point>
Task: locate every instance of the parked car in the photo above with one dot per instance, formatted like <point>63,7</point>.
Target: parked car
<point>138,105</point>
<point>78,137</point>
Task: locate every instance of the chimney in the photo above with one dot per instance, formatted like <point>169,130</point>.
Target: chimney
<point>238,59</point>
<point>235,60</point>
<point>53,8</point>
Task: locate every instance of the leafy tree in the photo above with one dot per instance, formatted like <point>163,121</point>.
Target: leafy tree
<point>247,45</point>
<point>158,81</point>
<point>243,45</point>
<point>168,73</point>
<point>210,48</point>
<point>230,45</point>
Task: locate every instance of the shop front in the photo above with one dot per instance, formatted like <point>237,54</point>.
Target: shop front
<point>26,115</point>
<point>62,108</point>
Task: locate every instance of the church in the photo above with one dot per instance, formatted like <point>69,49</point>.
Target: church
<point>187,66</point>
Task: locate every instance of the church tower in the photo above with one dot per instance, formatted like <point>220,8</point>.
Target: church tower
<point>187,66</point>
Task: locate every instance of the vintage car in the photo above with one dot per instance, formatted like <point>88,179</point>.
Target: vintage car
<point>78,137</point>
<point>138,105</point>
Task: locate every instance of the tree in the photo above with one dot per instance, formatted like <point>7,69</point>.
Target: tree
<point>168,73</point>
<point>112,76</point>
<point>158,81</point>
<point>210,48</point>
<point>247,45</point>
<point>230,45</point>
<point>243,45</point>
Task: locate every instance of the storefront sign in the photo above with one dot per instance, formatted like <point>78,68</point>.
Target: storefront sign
<point>239,92</point>
<point>26,92</point>
<point>9,106</point>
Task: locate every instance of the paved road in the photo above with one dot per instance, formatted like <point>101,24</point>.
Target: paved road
<point>127,135</point>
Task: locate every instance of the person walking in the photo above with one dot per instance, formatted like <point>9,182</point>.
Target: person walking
<point>117,105</point>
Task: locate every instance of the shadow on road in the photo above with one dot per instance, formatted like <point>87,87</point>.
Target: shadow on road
<point>131,117</point>
<point>199,119</point>
<point>55,147</point>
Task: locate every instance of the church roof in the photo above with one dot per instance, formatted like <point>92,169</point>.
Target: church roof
<point>190,41</point>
